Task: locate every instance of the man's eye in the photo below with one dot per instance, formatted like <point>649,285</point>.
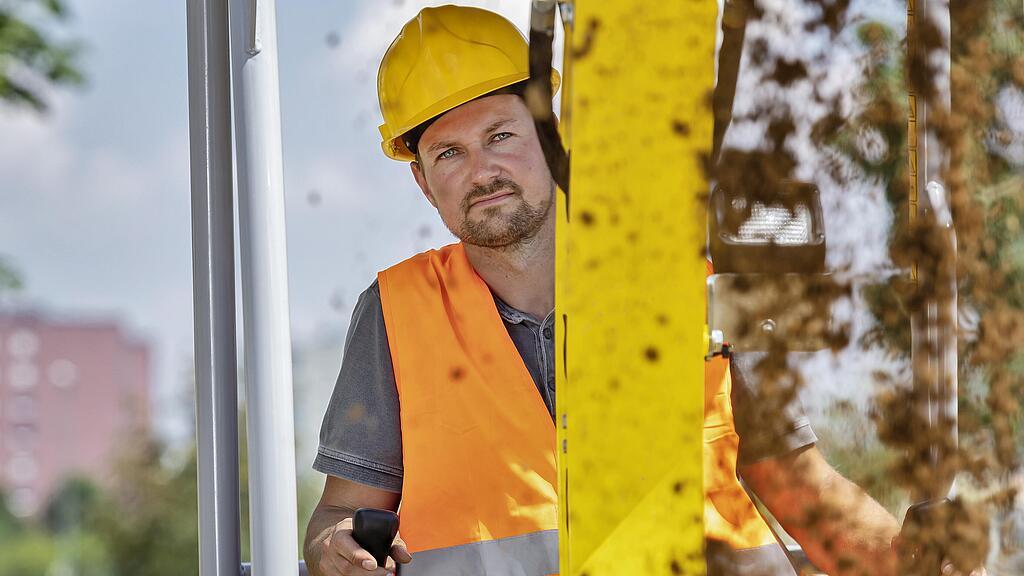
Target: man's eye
<point>500,136</point>
<point>446,154</point>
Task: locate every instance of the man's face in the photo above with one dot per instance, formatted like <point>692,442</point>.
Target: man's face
<point>482,167</point>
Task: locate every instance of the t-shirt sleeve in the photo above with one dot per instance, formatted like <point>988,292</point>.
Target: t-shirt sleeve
<point>770,419</point>
<point>361,438</point>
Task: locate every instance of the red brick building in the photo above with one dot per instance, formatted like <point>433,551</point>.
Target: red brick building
<point>71,392</point>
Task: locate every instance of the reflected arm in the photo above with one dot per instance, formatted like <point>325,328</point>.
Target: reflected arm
<point>841,528</point>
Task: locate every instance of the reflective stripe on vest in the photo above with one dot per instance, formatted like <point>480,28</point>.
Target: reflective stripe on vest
<point>534,554</point>
<point>478,443</point>
<point>768,560</point>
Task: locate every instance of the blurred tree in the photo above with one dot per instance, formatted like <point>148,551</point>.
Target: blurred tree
<point>63,540</point>
<point>30,553</point>
<point>30,59</point>
<point>69,519</point>
<point>150,520</point>
<point>10,280</point>
<point>988,55</point>
<point>72,506</point>
<point>9,524</point>
<point>81,554</point>
<point>984,136</point>
<point>868,141</point>
<point>984,132</point>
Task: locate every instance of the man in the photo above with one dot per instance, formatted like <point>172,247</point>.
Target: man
<point>445,400</point>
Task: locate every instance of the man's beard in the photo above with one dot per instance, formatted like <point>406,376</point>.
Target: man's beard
<point>493,229</point>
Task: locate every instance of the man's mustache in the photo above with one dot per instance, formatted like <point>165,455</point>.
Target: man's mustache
<point>490,189</point>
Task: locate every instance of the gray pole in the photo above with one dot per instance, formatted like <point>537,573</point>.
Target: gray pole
<point>209,98</point>
<point>264,273</point>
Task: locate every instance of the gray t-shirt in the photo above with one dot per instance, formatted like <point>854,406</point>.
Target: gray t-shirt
<point>361,437</point>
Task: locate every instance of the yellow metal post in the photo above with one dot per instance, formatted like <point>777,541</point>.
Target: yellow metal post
<point>631,297</point>
<point>913,130</point>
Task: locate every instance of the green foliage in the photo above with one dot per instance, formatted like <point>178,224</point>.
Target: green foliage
<point>74,504</point>
<point>30,58</point>
<point>34,552</point>
<point>875,141</point>
<point>851,446</point>
<point>10,526</point>
<point>150,523</point>
<point>987,62</point>
<point>28,554</point>
<point>145,523</point>
<point>82,554</point>
<point>10,280</point>
<point>28,548</point>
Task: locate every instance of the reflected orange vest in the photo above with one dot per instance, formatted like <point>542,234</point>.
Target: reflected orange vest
<point>480,482</point>
<point>729,515</point>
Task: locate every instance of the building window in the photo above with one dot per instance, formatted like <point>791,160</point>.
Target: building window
<point>21,438</point>
<point>22,469</point>
<point>23,375</point>
<point>23,344</point>
<point>22,409</point>
<point>63,373</point>
<point>23,502</point>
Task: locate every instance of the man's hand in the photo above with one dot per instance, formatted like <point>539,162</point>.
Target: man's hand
<point>329,548</point>
<point>340,555</point>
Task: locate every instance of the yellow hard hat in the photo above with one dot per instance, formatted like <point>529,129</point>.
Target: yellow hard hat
<point>443,58</point>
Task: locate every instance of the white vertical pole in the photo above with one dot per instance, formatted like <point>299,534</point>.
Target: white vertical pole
<point>264,270</point>
<point>945,308</point>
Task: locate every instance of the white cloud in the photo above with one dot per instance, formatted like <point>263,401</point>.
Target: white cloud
<point>30,139</point>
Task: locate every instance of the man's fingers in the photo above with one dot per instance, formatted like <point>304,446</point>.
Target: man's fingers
<point>346,547</point>
<point>401,555</point>
<point>400,552</point>
<point>335,565</point>
<point>342,544</point>
<point>948,569</point>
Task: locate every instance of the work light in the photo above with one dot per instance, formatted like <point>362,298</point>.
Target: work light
<point>776,231</point>
<point>769,289</point>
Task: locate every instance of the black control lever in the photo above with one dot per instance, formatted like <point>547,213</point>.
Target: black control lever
<point>919,525</point>
<point>375,530</point>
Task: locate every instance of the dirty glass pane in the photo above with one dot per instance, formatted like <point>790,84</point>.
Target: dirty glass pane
<point>913,142</point>
<point>97,442</point>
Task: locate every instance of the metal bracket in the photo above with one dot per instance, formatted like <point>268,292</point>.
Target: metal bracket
<point>255,44</point>
<point>716,344</point>
<point>542,15</point>
<point>565,9</point>
<point>939,203</point>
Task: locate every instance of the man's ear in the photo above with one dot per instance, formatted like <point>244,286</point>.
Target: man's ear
<point>421,181</point>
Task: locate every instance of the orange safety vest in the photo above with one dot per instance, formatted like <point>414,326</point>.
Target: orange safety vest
<point>479,494</point>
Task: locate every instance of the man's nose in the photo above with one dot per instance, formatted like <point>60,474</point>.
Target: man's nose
<point>485,169</point>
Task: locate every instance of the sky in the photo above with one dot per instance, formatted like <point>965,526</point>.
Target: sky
<point>95,204</point>
<point>95,200</point>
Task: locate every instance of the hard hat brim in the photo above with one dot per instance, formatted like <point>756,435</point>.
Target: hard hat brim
<point>392,142</point>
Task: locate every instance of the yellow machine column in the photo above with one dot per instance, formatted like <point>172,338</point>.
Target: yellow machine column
<point>631,276</point>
